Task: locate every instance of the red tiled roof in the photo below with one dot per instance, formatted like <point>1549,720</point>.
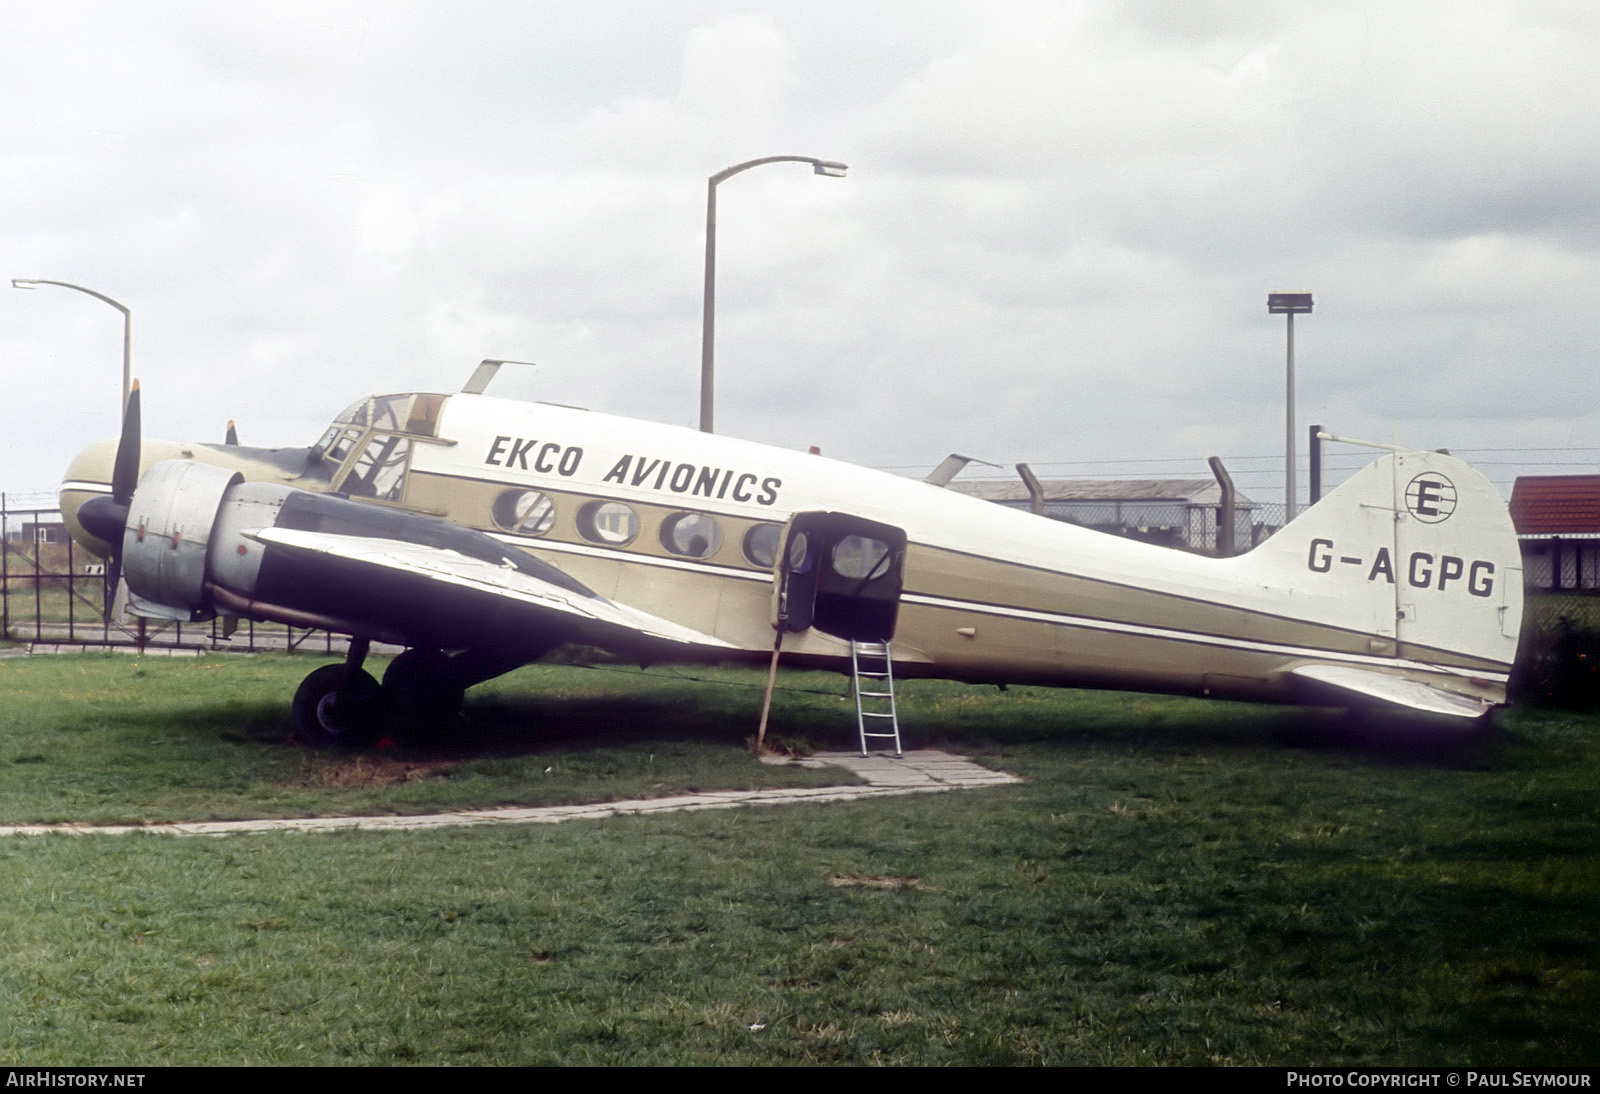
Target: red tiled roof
<point>1554,505</point>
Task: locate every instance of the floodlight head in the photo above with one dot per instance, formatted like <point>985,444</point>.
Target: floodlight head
<point>828,167</point>
<point>1289,303</point>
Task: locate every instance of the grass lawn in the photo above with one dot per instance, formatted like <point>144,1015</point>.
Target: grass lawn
<point>1178,882</point>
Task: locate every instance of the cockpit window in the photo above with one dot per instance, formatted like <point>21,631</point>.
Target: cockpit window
<point>355,413</point>
<point>411,413</point>
<point>379,471</point>
<point>390,411</point>
<point>379,411</point>
<point>423,416</point>
<point>335,443</point>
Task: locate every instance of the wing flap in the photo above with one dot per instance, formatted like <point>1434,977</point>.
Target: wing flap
<point>586,614</point>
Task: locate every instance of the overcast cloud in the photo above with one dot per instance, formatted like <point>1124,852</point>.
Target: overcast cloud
<point>1054,244</point>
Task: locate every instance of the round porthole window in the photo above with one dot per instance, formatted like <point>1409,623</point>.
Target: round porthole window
<point>526,512</point>
<point>761,545</point>
<point>860,557</point>
<point>693,534</point>
<point>608,522</point>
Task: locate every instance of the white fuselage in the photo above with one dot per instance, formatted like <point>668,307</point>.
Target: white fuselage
<point>990,593</point>
<point>1405,578</point>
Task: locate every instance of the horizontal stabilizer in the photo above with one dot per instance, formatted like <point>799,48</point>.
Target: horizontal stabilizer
<point>1398,690</point>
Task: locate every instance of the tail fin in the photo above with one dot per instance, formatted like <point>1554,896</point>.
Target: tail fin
<point>1417,550</point>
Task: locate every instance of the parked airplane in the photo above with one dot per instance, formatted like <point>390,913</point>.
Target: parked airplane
<point>480,533</point>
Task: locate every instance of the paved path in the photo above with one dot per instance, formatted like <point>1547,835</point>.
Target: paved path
<point>918,772</point>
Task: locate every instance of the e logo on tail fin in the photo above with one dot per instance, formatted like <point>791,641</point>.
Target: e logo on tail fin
<point>1431,497</point>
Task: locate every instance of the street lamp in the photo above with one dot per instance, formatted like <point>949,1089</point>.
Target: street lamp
<point>1289,304</point>
<point>708,304</point>
<point>127,324</point>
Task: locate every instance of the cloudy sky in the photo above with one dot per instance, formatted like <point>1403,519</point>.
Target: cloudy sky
<point>1054,244</point>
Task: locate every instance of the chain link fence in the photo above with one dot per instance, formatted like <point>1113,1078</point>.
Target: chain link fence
<point>1188,527</point>
<point>1558,661</point>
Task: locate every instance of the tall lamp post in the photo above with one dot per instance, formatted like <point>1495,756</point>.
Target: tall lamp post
<point>1289,304</point>
<point>127,324</point>
<point>708,306</point>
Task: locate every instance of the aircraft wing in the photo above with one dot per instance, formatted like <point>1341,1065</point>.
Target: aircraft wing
<point>1399,690</point>
<point>585,618</point>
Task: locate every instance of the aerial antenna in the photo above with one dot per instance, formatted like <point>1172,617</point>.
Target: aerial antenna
<point>950,467</point>
<point>479,381</point>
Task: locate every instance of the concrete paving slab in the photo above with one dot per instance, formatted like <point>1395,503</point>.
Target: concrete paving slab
<point>916,772</point>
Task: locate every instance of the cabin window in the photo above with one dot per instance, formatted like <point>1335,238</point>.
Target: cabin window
<point>761,544</point>
<point>608,522</point>
<point>526,512</point>
<point>693,534</point>
<point>860,557</point>
<point>799,550</point>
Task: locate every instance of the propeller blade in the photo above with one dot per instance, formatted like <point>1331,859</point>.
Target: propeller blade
<point>113,575</point>
<point>233,434</point>
<point>106,518</point>
<point>125,472</point>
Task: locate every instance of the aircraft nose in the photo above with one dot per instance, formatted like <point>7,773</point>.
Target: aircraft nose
<point>88,476</point>
<point>103,517</point>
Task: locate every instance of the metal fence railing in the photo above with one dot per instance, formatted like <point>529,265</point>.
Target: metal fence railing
<point>52,592</point>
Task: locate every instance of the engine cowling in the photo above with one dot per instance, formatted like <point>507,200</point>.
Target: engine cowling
<point>192,549</point>
<point>167,537</point>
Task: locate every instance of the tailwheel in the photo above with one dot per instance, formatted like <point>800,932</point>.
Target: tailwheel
<point>338,706</point>
<point>423,694</point>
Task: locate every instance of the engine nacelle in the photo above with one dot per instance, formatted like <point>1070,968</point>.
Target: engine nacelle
<point>166,539</point>
<point>193,549</point>
<point>233,560</point>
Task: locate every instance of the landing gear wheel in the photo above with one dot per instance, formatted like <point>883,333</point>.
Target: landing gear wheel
<point>338,707</point>
<point>422,695</point>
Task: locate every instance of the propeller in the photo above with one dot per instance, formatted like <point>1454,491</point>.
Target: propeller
<point>233,434</point>
<point>105,517</point>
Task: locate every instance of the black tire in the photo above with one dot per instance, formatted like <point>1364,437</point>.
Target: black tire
<point>337,708</point>
<point>422,696</point>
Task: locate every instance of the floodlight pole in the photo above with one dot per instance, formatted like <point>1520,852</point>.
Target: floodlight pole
<point>708,302</point>
<point>127,325</point>
<point>1289,304</point>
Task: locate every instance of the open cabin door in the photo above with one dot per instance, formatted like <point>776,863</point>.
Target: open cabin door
<point>840,574</point>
